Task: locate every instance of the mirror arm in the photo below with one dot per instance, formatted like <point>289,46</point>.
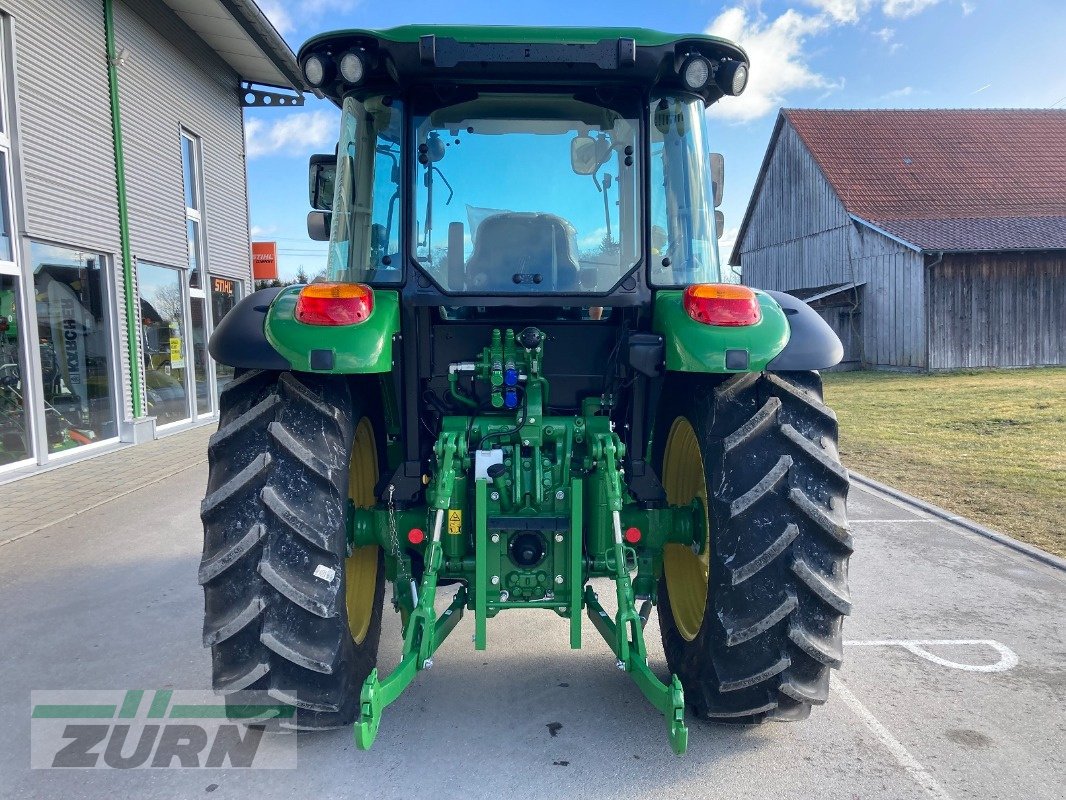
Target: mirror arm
<point>388,219</point>
<point>451,191</point>
<point>429,208</point>
<point>606,206</point>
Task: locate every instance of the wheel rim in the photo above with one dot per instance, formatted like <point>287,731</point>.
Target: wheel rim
<point>361,567</point>
<point>687,573</point>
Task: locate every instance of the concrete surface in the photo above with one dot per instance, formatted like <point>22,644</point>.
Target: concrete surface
<point>29,504</point>
<point>106,598</point>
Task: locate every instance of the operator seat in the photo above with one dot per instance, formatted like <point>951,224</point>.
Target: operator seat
<point>523,250</point>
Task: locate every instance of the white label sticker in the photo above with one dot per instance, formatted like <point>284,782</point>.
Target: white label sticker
<point>325,573</point>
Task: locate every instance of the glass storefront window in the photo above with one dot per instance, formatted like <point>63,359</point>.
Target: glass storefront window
<point>14,427</point>
<point>225,292</point>
<point>76,355</point>
<point>198,313</point>
<point>163,342</point>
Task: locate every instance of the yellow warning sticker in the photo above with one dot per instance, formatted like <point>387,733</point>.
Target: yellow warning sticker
<point>455,521</point>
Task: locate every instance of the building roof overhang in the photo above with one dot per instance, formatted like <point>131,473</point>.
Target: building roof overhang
<point>240,33</point>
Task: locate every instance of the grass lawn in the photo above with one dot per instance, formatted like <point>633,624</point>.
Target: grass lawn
<point>990,446</point>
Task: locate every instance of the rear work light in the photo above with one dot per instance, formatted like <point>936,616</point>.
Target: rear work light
<point>722,304</point>
<point>334,304</point>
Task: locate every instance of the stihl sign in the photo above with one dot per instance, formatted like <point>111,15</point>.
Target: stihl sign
<point>264,260</point>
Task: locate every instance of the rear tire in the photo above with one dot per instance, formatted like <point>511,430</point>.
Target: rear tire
<point>776,561</point>
<point>275,563</point>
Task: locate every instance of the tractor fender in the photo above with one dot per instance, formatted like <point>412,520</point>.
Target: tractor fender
<point>691,346</point>
<point>812,344</point>
<point>358,349</point>
<point>239,340</point>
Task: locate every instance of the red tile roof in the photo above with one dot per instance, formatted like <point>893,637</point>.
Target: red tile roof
<point>986,233</point>
<point>933,168</point>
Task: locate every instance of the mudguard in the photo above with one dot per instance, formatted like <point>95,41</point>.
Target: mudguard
<point>692,346</point>
<point>240,340</point>
<point>362,348</point>
<point>261,332</point>
<point>812,343</point>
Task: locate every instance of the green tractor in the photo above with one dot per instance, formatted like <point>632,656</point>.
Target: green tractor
<point>524,380</point>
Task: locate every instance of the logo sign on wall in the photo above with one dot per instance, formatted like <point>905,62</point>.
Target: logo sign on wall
<point>264,261</point>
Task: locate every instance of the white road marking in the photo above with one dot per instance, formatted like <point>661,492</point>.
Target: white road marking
<point>1008,659</point>
<point>909,763</point>
<point>911,519</point>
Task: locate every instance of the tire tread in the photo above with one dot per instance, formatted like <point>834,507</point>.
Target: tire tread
<point>778,586</point>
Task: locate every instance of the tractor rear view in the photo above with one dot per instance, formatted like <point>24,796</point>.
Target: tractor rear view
<point>524,382</point>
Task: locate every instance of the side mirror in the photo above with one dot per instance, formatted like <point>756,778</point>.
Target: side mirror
<point>321,174</point>
<point>718,177</point>
<point>433,149</point>
<point>318,225</point>
<point>719,224</point>
<point>588,154</point>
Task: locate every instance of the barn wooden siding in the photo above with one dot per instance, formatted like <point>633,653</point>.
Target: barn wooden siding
<point>997,310</point>
<point>799,236</point>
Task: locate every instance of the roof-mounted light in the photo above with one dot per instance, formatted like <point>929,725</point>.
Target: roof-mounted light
<point>695,72</point>
<point>352,67</point>
<point>732,77</point>
<point>317,69</point>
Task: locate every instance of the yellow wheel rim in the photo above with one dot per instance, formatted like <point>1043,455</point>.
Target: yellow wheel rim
<point>686,572</point>
<point>361,567</point>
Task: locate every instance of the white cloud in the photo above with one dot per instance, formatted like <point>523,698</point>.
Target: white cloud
<point>287,16</point>
<point>967,8</point>
<point>779,49</point>
<point>906,8</point>
<point>898,94</point>
<point>278,15</point>
<point>294,134</point>
<point>842,10</point>
<point>778,57</point>
<point>887,35</point>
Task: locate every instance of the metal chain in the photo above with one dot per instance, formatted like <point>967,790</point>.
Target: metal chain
<point>402,574</point>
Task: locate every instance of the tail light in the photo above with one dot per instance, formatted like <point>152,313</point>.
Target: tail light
<point>722,304</point>
<point>334,304</point>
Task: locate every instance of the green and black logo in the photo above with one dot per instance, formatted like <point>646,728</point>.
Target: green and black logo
<point>161,729</point>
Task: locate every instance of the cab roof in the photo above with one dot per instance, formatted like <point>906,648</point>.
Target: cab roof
<point>421,55</point>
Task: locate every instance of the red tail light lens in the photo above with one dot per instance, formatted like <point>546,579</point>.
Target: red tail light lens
<point>722,304</point>
<point>334,304</point>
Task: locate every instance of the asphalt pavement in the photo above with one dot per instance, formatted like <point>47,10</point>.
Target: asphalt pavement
<point>953,686</point>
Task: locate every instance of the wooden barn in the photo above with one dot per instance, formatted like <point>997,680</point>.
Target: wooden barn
<point>928,239</point>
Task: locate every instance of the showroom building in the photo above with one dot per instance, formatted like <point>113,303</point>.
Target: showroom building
<point>124,231</point>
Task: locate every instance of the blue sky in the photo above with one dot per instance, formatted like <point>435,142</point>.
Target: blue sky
<point>806,53</point>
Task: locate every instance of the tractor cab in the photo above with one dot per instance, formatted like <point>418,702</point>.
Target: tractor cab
<point>569,173</point>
